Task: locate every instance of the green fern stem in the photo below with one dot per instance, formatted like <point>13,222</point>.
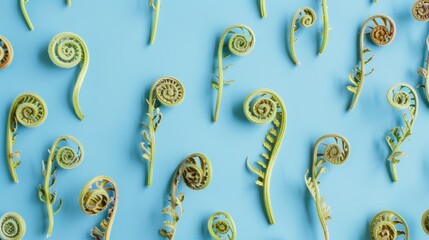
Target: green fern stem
<point>424,72</point>
<point>77,87</point>
<point>319,210</point>
<point>24,12</point>
<point>157,8</point>
<point>325,27</point>
<point>10,154</point>
<point>307,18</point>
<point>68,3</point>
<point>47,193</point>
<point>221,78</point>
<point>263,9</point>
<point>151,109</point>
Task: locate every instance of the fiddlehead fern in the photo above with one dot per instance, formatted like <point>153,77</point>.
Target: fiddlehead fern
<point>12,226</point>
<point>196,173</point>
<point>388,225</point>
<point>156,5</point>
<point>306,17</point>
<point>261,107</point>
<point>424,72</point>
<point>6,52</point>
<point>420,10</point>
<point>67,50</point>
<point>401,96</point>
<point>29,110</point>
<point>382,33</point>
<point>425,221</point>
<point>99,194</point>
<point>221,226</point>
<point>165,91</point>
<point>66,157</point>
<point>239,44</point>
<point>326,27</point>
<point>24,12</point>
<point>331,148</point>
<point>262,8</point>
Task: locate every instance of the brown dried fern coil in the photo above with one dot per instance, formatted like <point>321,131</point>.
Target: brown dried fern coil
<point>420,10</point>
<point>6,52</point>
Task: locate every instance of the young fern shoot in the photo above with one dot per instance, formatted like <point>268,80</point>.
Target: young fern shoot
<point>424,72</point>
<point>166,91</point>
<point>221,226</point>
<point>156,5</point>
<point>99,194</point>
<point>196,173</point>
<point>6,52</point>
<point>29,110</point>
<point>262,8</point>
<point>12,226</point>
<point>420,10</point>
<point>306,16</point>
<point>241,42</point>
<point>401,96</point>
<point>382,32</point>
<point>24,12</point>
<point>334,149</point>
<point>326,27</point>
<point>261,107</point>
<point>66,157</point>
<point>67,50</point>
<point>388,225</point>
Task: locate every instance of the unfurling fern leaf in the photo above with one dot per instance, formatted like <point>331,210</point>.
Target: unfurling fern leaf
<point>331,148</point>
<point>401,96</point>
<point>382,32</point>
<point>166,91</point>
<point>261,107</point>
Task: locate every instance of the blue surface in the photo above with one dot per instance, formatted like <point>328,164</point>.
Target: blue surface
<point>123,68</point>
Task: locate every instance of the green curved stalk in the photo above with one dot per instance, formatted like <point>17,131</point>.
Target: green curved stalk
<point>325,34</point>
<point>67,158</point>
<point>103,191</point>
<point>221,226</point>
<point>307,17</point>
<point>401,100</point>
<point>263,9</point>
<point>388,225</point>
<point>169,92</point>
<point>270,109</point>
<point>358,74</point>
<point>336,153</point>
<point>29,110</point>
<point>68,56</point>
<point>424,72</point>
<point>24,12</point>
<point>238,45</point>
<point>196,164</point>
<point>12,226</point>
<point>157,8</point>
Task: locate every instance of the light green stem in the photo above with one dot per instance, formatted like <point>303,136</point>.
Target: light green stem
<point>9,144</point>
<point>68,3</point>
<point>47,193</point>
<point>263,10</point>
<point>24,12</point>
<point>221,81</point>
<point>78,85</point>
<point>325,27</point>
<point>155,21</point>
<point>152,136</point>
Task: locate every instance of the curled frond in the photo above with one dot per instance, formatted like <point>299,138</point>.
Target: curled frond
<point>221,226</point>
<point>306,16</point>
<point>6,52</point>
<point>388,225</point>
<point>12,226</point>
<point>420,10</point>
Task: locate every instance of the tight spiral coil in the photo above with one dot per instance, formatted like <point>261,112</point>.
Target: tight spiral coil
<point>66,156</point>
<point>382,30</point>
<point>221,226</point>
<point>260,108</point>
<point>425,221</point>
<point>99,194</point>
<point>242,43</point>
<point>336,148</point>
<point>67,50</point>
<point>401,96</point>
<point>388,225</point>
<point>13,226</point>
<point>169,91</point>
<point>308,16</point>
<point>6,52</point>
<point>420,10</point>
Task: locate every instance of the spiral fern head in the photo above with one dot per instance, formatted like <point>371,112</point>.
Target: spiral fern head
<point>221,226</point>
<point>67,50</point>
<point>240,45</point>
<point>169,91</point>
<point>308,18</point>
<point>31,110</point>
<point>260,108</point>
<point>12,226</point>
<point>382,33</point>
<point>196,177</point>
<point>425,221</point>
<point>388,225</point>
<point>68,158</point>
<point>6,52</point>
<point>400,96</point>
<point>420,10</point>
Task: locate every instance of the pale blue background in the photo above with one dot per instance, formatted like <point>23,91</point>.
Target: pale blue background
<point>122,69</point>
